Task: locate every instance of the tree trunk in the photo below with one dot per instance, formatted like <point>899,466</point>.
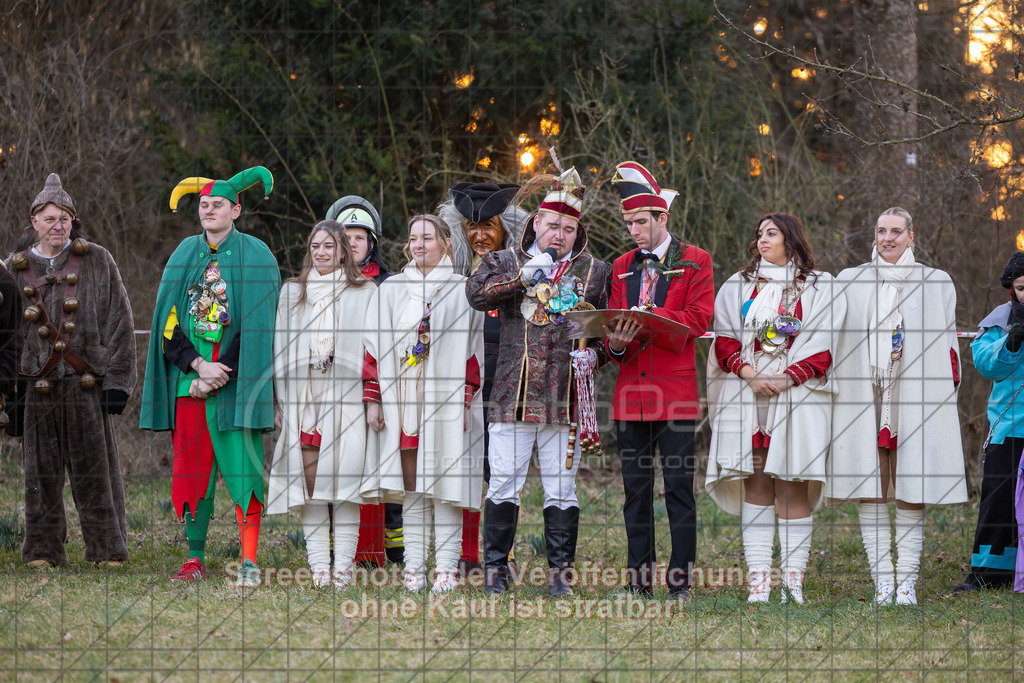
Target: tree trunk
<point>886,43</point>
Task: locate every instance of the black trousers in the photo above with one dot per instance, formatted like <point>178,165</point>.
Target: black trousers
<point>995,540</point>
<point>674,440</point>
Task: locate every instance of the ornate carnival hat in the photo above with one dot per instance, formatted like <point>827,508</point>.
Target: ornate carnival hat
<point>639,190</point>
<point>352,211</point>
<point>565,195</point>
<point>228,189</point>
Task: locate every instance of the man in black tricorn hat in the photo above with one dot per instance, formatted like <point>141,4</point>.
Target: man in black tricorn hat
<point>483,215</point>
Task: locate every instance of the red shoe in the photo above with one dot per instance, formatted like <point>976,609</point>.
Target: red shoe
<point>193,570</point>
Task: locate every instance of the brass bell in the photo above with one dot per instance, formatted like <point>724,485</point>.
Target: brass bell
<point>80,246</point>
<point>28,290</point>
<point>32,313</point>
<point>69,327</point>
<point>43,331</point>
<point>60,346</point>
<point>88,381</point>
<point>72,278</point>
<point>42,386</point>
<point>71,304</point>
<point>19,261</point>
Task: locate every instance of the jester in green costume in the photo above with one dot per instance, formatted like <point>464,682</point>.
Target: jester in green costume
<point>210,365</point>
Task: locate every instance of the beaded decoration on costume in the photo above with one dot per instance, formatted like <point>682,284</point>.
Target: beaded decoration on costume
<point>775,334</point>
<point>208,305</point>
<point>421,349</point>
<point>548,301</point>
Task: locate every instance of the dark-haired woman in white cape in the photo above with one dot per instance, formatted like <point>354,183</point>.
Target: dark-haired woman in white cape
<point>769,399</point>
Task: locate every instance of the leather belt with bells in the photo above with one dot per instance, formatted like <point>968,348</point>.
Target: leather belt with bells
<point>57,336</point>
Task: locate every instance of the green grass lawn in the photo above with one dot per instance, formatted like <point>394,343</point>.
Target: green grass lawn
<point>130,623</point>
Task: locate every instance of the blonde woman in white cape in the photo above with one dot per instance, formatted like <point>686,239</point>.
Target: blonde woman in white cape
<point>321,455</point>
<point>898,371</point>
<point>769,399</point>
<point>424,348</point>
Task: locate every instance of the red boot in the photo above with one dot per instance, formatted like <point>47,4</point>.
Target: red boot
<point>370,547</point>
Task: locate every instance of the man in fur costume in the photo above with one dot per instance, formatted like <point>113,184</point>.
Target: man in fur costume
<point>210,366</point>
<point>656,402</point>
<point>10,323</point>
<point>483,216</point>
<point>531,285</point>
<point>78,360</point>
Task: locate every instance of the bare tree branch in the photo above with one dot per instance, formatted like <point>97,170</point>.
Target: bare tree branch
<point>995,111</point>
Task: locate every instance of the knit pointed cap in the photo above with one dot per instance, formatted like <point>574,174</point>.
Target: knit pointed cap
<point>352,211</point>
<point>53,193</point>
<point>228,189</point>
<point>565,196</point>
<point>639,190</point>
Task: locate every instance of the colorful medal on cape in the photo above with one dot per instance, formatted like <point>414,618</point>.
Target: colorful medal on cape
<point>897,341</point>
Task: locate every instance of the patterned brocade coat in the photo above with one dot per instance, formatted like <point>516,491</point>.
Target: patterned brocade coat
<point>534,374</point>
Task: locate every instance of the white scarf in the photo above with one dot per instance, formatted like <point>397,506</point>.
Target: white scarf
<point>420,291</point>
<point>885,315</point>
<point>765,306</point>
<point>320,325</point>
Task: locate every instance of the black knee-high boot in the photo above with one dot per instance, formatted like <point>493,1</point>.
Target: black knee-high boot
<point>561,529</point>
<point>500,522</point>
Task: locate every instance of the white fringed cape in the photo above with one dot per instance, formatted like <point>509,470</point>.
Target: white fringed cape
<point>801,431</point>
<point>345,471</point>
<point>449,462</point>
<point>930,459</point>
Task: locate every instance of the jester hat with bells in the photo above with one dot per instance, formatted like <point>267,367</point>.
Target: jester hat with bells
<point>228,189</point>
<point>639,190</point>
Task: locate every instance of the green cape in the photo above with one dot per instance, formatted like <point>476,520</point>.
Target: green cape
<point>253,280</point>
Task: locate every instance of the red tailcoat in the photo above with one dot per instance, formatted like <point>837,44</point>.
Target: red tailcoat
<point>655,382</point>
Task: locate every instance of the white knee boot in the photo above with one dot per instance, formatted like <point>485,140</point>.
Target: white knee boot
<point>758,526</point>
<point>795,541</point>
<point>877,537</point>
<point>415,515</point>
<point>909,543</point>
<point>316,527</point>
<point>346,538</point>
<point>447,545</point>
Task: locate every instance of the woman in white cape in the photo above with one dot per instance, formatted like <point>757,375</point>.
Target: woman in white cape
<point>424,348</point>
<point>898,371</point>
<point>321,455</point>
<point>769,398</point>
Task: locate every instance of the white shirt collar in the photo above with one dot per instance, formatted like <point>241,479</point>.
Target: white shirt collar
<point>661,249</point>
<point>534,250</point>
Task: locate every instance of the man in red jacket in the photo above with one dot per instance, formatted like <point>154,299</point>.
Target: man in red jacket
<point>656,401</point>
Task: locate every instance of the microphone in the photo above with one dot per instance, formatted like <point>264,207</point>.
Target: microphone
<point>553,253</point>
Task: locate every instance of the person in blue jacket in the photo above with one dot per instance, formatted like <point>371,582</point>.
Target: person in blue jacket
<point>998,356</point>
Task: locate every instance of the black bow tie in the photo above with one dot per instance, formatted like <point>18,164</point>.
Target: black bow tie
<point>640,257</point>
